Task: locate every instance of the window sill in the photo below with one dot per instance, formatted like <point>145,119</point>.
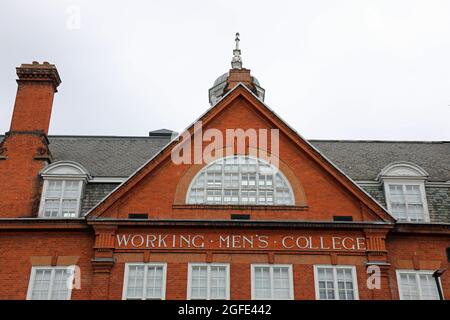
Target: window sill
<point>239,207</point>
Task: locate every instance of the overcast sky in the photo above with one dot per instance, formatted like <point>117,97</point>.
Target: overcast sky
<point>331,69</point>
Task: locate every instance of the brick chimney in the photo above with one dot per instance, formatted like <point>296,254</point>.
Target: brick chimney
<point>24,150</point>
<point>240,75</point>
<point>37,84</point>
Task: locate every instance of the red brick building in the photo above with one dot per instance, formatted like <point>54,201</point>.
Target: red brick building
<point>120,219</point>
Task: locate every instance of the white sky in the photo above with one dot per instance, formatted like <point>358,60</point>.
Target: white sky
<point>331,69</point>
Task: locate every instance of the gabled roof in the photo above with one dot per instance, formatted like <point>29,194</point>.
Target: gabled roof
<point>242,91</point>
<point>364,160</point>
<point>120,156</point>
<point>107,156</point>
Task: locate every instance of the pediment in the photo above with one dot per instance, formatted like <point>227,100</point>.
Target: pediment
<point>319,179</point>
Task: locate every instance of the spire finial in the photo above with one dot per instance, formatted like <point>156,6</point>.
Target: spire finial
<point>236,62</point>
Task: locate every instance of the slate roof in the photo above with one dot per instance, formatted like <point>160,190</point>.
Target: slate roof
<point>111,156</point>
<point>107,156</point>
<point>363,160</point>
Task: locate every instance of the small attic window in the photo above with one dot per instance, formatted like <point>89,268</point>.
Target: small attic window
<point>62,191</point>
<point>404,187</point>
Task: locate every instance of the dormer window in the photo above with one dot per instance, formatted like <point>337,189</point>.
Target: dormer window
<point>241,180</point>
<point>404,187</point>
<point>62,191</point>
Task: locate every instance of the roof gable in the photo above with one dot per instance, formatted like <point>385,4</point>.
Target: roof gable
<point>241,92</point>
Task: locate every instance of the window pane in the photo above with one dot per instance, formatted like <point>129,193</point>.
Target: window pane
<point>41,284</point>
<point>154,286</point>
<point>61,199</point>
<point>199,282</point>
<point>135,284</point>
<point>417,286</point>
<point>51,208</point>
<point>51,284</point>
<point>69,208</point>
<point>406,202</point>
<point>218,282</point>
<point>71,189</point>
<point>145,282</point>
<point>345,284</point>
<point>326,283</point>
<point>262,283</point>
<point>409,286</point>
<point>54,189</point>
<point>271,282</point>
<point>281,289</point>
<point>335,283</point>
<point>252,182</point>
<point>428,287</point>
<point>60,289</point>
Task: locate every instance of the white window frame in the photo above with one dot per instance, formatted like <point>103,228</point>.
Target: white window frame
<point>81,186</point>
<point>398,272</point>
<point>52,277</point>
<point>209,265</point>
<point>335,267</point>
<point>146,265</point>
<point>63,171</point>
<point>271,266</point>
<point>403,183</point>
<point>218,187</point>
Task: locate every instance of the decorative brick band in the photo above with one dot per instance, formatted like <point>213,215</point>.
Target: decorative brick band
<point>39,72</point>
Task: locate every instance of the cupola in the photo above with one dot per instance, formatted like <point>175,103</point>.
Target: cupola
<point>237,74</point>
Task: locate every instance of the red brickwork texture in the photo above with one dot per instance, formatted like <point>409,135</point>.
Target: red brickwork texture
<point>23,156</point>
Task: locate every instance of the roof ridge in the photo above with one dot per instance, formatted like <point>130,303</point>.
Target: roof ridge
<point>311,140</point>
<point>108,137</point>
<point>380,141</point>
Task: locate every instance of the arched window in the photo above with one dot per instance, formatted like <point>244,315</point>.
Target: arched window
<point>62,191</point>
<point>240,180</point>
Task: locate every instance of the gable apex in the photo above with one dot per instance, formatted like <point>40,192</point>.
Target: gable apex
<point>241,91</point>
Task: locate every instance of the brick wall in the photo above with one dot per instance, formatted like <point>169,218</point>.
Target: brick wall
<point>20,250</point>
<point>21,253</point>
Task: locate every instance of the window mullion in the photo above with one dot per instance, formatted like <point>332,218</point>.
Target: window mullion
<point>208,279</point>
<point>419,285</point>
<point>257,182</point>
<point>405,201</point>
<point>223,183</point>
<point>239,182</point>
<point>335,282</point>
<point>272,293</point>
<point>63,186</point>
<point>71,277</point>
<point>33,282</point>
<point>50,285</point>
<point>144,284</point>
<point>80,187</point>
